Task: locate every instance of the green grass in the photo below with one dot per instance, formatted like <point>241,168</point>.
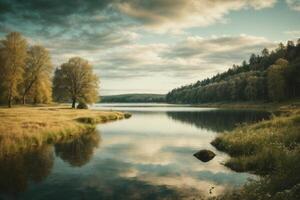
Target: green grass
<point>269,148</point>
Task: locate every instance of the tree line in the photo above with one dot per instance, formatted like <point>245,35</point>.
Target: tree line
<point>134,98</point>
<point>270,77</point>
<point>27,75</point>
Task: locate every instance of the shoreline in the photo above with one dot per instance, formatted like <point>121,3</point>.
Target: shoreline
<point>27,126</point>
<point>285,105</point>
<point>270,149</point>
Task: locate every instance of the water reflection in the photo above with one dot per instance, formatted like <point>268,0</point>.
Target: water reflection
<point>219,120</point>
<point>18,170</point>
<point>149,156</point>
<point>159,151</point>
<point>79,151</point>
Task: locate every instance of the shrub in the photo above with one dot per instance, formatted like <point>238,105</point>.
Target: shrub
<point>127,115</point>
<point>82,105</point>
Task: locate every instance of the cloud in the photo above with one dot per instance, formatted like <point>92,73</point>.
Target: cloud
<point>176,14</point>
<point>186,59</point>
<point>294,33</point>
<point>162,15</point>
<point>217,50</point>
<point>119,37</point>
<point>294,4</point>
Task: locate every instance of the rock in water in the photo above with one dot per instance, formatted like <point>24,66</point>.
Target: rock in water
<point>205,155</point>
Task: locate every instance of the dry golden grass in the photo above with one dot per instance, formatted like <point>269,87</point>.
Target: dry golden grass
<point>22,127</point>
<point>269,148</point>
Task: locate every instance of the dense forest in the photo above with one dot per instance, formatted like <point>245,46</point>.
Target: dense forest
<point>134,98</point>
<point>272,76</point>
<point>26,75</point>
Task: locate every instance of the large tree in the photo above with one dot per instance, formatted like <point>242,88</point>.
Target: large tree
<point>13,58</point>
<point>76,81</point>
<point>276,80</point>
<point>38,72</point>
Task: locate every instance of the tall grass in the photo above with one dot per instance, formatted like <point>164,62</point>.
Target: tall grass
<point>269,148</point>
<point>25,127</point>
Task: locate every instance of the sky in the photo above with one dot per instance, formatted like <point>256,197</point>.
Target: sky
<point>152,46</point>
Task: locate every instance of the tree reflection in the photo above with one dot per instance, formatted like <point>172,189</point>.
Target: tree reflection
<point>219,120</point>
<point>79,151</point>
<point>31,165</point>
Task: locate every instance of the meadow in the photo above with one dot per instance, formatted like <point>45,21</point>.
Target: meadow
<point>24,127</point>
<point>270,149</point>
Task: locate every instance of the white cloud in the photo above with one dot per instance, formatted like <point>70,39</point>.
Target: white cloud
<point>223,48</point>
<point>294,4</point>
<point>294,33</point>
<point>156,65</point>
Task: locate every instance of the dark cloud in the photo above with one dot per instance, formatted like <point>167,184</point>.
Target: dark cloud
<point>70,13</point>
<point>114,34</point>
<point>52,12</point>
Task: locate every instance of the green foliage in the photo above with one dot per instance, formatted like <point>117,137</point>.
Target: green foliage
<point>276,80</point>
<point>268,77</point>
<point>137,98</point>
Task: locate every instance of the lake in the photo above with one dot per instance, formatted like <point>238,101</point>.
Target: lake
<point>149,156</point>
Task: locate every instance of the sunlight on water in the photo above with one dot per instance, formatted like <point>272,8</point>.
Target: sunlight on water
<point>149,156</point>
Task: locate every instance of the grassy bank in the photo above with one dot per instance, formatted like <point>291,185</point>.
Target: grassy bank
<point>269,148</point>
<point>24,127</point>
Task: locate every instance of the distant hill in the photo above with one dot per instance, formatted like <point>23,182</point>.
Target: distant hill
<point>133,98</point>
<point>271,76</point>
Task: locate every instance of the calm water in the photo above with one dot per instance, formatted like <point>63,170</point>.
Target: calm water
<point>149,156</point>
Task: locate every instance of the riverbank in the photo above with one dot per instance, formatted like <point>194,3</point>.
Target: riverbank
<point>25,127</point>
<point>269,148</point>
<point>286,105</point>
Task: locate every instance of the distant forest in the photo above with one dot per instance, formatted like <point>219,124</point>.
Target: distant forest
<point>271,77</point>
<point>134,98</point>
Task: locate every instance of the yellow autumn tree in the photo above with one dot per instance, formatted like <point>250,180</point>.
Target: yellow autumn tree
<point>13,59</point>
<point>75,81</point>
<point>37,75</point>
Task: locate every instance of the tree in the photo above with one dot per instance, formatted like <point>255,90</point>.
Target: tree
<point>293,80</point>
<point>38,69</point>
<point>251,90</point>
<point>76,81</point>
<point>41,91</point>
<point>276,80</point>
<point>13,50</point>
<point>2,98</point>
<point>265,52</point>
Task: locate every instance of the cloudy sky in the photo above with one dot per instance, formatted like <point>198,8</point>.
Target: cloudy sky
<point>152,46</point>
